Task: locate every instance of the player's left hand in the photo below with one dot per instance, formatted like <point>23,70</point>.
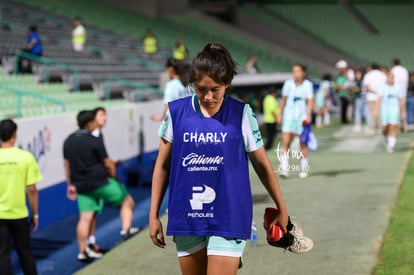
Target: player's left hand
<point>35,223</point>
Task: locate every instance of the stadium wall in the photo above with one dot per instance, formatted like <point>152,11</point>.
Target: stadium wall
<point>129,132</point>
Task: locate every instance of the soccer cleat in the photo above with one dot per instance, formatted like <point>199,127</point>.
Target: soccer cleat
<point>94,250</point>
<point>84,258</point>
<point>301,244</point>
<point>389,150</point>
<point>132,231</point>
<point>303,174</point>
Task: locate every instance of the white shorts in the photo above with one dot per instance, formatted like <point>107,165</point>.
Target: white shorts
<point>218,246</point>
<point>78,47</point>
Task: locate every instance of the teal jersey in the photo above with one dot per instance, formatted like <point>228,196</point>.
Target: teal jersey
<point>296,97</point>
<point>174,89</point>
<point>390,103</point>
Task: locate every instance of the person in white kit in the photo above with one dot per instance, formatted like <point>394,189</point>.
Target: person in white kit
<point>373,80</point>
<point>390,99</point>
<point>401,77</point>
<point>296,107</point>
<point>174,88</point>
<point>322,102</point>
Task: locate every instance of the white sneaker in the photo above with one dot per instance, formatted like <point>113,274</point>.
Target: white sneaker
<point>131,232</point>
<point>296,230</point>
<point>284,174</point>
<point>92,254</point>
<point>303,174</point>
<point>84,258</point>
<point>390,150</point>
<point>301,244</point>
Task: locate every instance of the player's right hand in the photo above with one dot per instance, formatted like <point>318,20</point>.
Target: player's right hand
<point>71,192</point>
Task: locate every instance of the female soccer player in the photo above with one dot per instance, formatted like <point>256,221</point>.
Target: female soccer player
<point>174,88</point>
<point>205,140</point>
<point>322,102</point>
<point>390,99</point>
<point>296,106</point>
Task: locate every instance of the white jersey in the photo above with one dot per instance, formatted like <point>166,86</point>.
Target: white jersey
<point>374,79</point>
<point>401,76</point>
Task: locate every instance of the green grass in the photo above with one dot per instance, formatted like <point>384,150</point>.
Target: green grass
<point>397,253</point>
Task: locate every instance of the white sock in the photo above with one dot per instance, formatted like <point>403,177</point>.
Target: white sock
<point>91,239</point>
<point>304,166</point>
<point>284,162</point>
<point>318,121</point>
<point>327,118</point>
<point>392,141</point>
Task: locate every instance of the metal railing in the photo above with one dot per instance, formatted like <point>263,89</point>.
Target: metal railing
<point>136,85</point>
<point>20,94</point>
<point>47,63</point>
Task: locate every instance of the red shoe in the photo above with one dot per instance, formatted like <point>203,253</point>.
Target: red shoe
<point>274,232</point>
<point>275,236</point>
<point>293,240</point>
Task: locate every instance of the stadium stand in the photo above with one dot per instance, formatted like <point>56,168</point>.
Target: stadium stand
<point>116,52</point>
<point>195,29</point>
<point>345,33</point>
<point>395,40</point>
<point>108,55</point>
<point>21,97</point>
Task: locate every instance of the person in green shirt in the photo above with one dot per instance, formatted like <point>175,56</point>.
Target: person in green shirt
<point>19,172</point>
<point>271,112</point>
<point>344,83</point>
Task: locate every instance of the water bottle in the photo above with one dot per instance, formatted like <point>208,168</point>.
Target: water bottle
<point>253,236</point>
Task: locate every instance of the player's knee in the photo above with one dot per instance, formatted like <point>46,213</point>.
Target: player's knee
<point>129,201</point>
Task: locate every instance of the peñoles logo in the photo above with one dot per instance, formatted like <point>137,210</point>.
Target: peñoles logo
<point>201,195</point>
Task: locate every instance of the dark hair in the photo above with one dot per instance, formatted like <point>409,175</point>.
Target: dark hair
<point>175,64</point>
<point>396,61</point>
<point>327,77</point>
<point>84,117</point>
<point>214,61</point>
<point>33,28</point>
<point>97,109</point>
<point>180,68</point>
<point>303,67</point>
<point>375,66</point>
<point>7,128</point>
